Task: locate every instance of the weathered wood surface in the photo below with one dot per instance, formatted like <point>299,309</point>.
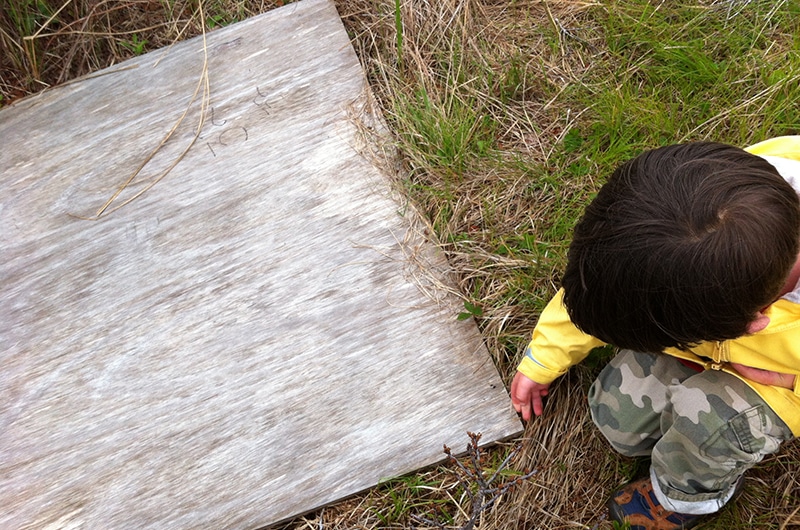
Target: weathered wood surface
<point>246,341</point>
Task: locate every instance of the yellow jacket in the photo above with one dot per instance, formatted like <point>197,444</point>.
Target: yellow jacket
<point>557,344</point>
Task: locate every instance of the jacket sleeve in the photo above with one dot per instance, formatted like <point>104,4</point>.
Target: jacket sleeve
<point>782,147</point>
<point>556,344</point>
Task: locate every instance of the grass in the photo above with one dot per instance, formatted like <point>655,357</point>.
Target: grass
<point>508,117</point>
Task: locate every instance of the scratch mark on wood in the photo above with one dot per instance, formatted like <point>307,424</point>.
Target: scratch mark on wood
<point>232,135</point>
<point>213,120</point>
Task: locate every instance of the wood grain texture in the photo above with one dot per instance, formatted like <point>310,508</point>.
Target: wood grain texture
<point>248,340</point>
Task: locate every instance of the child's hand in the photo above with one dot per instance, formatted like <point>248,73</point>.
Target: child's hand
<point>765,377</point>
<point>526,395</point>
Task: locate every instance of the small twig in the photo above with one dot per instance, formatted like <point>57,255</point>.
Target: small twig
<point>564,32</point>
<point>481,492</point>
<point>475,456</point>
<point>429,522</point>
<point>505,462</point>
<point>468,472</point>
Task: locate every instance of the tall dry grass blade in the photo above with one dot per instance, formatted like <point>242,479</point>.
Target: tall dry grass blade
<point>789,520</point>
<point>203,83</point>
<point>48,21</point>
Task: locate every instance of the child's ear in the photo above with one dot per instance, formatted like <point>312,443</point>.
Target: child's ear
<point>761,321</point>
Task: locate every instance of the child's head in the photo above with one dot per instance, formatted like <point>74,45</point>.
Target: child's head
<point>683,244</point>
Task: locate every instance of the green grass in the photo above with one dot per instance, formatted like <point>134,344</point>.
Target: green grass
<point>507,143</point>
<point>688,73</point>
<point>655,74</point>
<point>397,500</point>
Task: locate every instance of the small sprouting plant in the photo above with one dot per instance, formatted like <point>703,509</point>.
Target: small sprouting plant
<point>472,310</point>
<point>136,44</point>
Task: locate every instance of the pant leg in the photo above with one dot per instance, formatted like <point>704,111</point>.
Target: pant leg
<point>714,427</point>
<point>630,394</point>
<point>703,430</point>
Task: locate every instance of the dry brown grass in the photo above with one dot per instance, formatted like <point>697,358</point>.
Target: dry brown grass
<point>497,193</point>
<point>458,51</point>
<point>488,65</point>
<point>48,42</point>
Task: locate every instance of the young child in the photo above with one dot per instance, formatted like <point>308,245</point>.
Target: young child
<point>687,261</point>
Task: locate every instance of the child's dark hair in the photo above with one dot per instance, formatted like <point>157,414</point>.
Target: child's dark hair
<point>683,244</point>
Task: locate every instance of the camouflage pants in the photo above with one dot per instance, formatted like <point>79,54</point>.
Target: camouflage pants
<point>703,430</point>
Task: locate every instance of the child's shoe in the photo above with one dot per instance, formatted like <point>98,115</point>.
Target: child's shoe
<point>636,504</point>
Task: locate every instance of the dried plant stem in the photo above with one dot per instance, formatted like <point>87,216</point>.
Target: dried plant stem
<point>202,84</point>
<point>481,492</point>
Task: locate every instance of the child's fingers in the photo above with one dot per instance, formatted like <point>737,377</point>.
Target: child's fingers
<point>537,404</point>
<point>525,410</point>
<point>521,398</point>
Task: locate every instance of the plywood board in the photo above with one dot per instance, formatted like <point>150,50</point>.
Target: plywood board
<point>251,338</point>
